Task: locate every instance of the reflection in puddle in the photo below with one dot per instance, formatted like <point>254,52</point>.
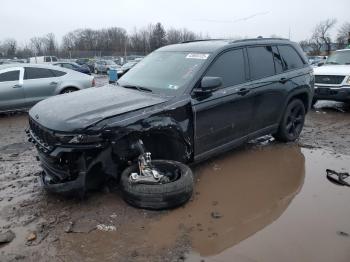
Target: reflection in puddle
<point>237,195</point>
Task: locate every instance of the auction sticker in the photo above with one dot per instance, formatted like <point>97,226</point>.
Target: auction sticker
<point>197,56</point>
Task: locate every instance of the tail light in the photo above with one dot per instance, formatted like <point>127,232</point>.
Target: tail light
<point>93,83</point>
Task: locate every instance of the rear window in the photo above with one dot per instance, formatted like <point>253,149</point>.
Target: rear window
<point>261,62</point>
<point>37,73</point>
<point>9,76</point>
<point>58,73</point>
<point>291,59</point>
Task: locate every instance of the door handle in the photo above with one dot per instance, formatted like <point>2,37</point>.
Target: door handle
<point>17,86</point>
<point>243,91</point>
<point>53,83</point>
<point>283,80</point>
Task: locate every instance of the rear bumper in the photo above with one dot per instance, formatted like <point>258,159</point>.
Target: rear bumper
<point>332,93</point>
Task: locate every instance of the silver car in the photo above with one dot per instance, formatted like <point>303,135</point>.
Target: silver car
<point>23,85</point>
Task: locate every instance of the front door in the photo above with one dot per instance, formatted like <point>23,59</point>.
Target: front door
<point>11,89</point>
<point>224,117</point>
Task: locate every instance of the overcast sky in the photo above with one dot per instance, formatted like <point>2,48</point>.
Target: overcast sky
<point>219,18</point>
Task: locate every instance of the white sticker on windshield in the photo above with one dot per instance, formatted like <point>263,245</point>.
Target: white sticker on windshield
<point>197,56</point>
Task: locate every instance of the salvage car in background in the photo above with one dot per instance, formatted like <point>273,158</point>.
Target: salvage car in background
<point>126,67</point>
<point>23,85</point>
<point>42,59</point>
<point>183,103</point>
<point>103,66</point>
<point>332,80</point>
<point>74,66</point>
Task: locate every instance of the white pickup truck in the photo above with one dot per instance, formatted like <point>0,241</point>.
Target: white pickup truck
<point>332,80</point>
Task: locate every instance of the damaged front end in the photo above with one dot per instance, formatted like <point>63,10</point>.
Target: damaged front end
<point>72,164</point>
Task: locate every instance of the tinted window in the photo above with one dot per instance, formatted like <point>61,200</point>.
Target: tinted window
<point>58,73</point>
<point>54,59</point>
<point>9,76</point>
<point>261,62</point>
<point>277,59</point>
<point>290,57</point>
<point>230,67</point>
<point>47,59</point>
<point>35,73</point>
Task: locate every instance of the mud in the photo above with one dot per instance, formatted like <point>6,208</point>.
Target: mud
<point>264,201</point>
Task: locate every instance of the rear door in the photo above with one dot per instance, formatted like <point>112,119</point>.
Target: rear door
<point>265,67</point>
<point>224,117</point>
<point>39,83</point>
<point>11,89</point>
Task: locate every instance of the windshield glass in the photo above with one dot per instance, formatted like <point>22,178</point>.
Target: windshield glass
<point>164,72</point>
<point>339,58</point>
<point>110,62</point>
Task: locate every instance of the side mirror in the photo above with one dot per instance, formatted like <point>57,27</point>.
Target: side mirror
<point>209,84</point>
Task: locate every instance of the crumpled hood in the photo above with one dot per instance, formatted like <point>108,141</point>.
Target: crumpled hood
<point>341,70</point>
<point>78,110</point>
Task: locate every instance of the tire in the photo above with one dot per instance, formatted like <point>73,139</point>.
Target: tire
<point>69,90</point>
<point>292,122</point>
<point>158,196</point>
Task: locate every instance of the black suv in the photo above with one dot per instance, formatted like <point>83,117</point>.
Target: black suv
<point>185,102</point>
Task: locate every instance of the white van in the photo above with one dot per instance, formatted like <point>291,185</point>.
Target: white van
<point>42,59</point>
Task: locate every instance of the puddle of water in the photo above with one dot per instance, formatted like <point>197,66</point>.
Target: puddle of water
<point>270,203</point>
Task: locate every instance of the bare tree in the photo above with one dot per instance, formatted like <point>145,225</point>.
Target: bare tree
<point>37,44</point>
<point>343,35</point>
<point>10,47</point>
<point>321,35</point>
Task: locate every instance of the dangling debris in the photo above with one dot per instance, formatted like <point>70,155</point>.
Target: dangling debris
<point>337,178</point>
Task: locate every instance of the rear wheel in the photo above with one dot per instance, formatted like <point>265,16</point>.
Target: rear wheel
<point>176,191</point>
<point>69,90</point>
<point>292,122</point>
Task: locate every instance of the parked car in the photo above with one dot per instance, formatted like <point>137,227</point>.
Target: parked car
<point>74,66</point>
<point>42,59</point>
<point>126,67</point>
<point>182,103</point>
<point>103,66</point>
<point>23,85</point>
<point>332,80</point>
<point>316,61</point>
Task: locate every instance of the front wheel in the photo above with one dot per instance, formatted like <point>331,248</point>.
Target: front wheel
<point>292,122</point>
<point>175,192</point>
<point>69,90</point>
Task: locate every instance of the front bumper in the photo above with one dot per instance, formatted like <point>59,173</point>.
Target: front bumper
<point>336,93</point>
<point>72,170</point>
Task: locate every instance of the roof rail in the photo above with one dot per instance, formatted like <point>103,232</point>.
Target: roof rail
<point>202,40</point>
<point>258,38</point>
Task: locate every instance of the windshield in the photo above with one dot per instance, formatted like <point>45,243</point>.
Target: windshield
<point>110,62</point>
<point>339,58</point>
<point>164,72</point>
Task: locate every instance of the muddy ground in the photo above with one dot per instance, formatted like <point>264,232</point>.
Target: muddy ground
<point>264,201</point>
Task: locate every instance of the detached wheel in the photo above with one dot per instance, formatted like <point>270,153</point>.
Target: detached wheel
<point>292,122</point>
<point>173,193</point>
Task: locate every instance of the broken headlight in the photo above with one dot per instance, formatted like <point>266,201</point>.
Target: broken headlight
<point>85,139</point>
<point>79,139</point>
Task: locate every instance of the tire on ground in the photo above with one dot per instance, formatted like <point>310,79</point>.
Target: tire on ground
<point>282,133</point>
<point>158,196</point>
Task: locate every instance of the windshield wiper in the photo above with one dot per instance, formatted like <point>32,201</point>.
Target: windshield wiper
<point>140,88</point>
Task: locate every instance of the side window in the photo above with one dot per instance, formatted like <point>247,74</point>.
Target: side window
<point>69,66</point>
<point>54,59</point>
<point>57,73</point>
<point>36,73</point>
<point>261,62</point>
<point>290,57</point>
<point>278,60</point>
<point>9,76</point>
<point>47,59</point>
<point>230,67</point>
